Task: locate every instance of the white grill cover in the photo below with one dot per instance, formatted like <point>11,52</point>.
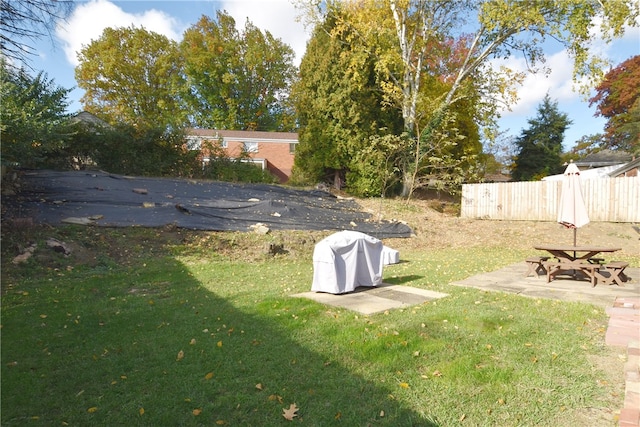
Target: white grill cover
<point>346,260</point>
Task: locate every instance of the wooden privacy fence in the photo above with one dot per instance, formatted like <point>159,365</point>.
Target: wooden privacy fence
<point>606,199</point>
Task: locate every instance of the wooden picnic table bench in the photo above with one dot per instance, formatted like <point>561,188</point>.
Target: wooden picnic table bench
<point>576,261</point>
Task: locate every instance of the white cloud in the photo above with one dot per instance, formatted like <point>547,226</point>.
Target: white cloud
<point>558,83</point>
<point>90,19</point>
<point>275,16</point>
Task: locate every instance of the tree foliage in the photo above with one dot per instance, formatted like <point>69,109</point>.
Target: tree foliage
<point>339,106</point>
<point>540,146</point>
<point>237,80</point>
<point>618,100</point>
<point>133,76</point>
<point>33,119</point>
<point>348,102</point>
<point>497,29</point>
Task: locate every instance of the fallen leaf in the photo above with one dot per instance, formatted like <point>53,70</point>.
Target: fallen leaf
<point>193,341</point>
<point>404,385</point>
<point>208,376</point>
<point>196,412</point>
<point>290,413</point>
<point>221,422</point>
<point>273,397</point>
<point>92,409</point>
<point>259,386</point>
<point>141,411</point>
<point>180,356</point>
<point>437,373</point>
<point>219,344</point>
<point>381,414</point>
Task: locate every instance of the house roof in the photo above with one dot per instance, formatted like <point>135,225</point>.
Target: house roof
<point>601,172</point>
<point>245,135</point>
<point>86,117</point>
<point>604,157</point>
<point>626,168</point>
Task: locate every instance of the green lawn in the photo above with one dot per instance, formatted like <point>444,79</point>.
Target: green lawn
<point>171,332</point>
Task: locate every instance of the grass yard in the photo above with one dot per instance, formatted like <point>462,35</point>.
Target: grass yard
<point>169,327</point>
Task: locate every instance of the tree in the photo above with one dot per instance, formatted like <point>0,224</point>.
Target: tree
<point>618,99</point>
<point>352,107</point>
<point>133,76</point>
<point>540,146</point>
<point>237,80</point>
<point>25,21</point>
<point>499,27</point>
<point>33,119</point>
<point>339,106</point>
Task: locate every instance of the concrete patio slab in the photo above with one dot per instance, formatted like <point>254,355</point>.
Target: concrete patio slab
<point>511,279</point>
<point>370,300</point>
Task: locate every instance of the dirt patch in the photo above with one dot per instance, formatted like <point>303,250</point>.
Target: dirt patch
<point>434,230</point>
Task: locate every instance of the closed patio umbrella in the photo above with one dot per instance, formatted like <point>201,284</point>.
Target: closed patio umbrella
<point>572,212</point>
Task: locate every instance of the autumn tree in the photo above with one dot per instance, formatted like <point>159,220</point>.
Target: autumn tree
<point>497,29</point>
<point>540,146</point>
<point>237,79</point>
<point>133,76</point>
<point>33,120</point>
<point>618,100</point>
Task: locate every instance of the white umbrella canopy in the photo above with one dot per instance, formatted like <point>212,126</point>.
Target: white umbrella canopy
<point>572,212</point>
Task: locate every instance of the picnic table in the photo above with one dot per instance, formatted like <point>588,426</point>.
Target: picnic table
<point>572,260</point>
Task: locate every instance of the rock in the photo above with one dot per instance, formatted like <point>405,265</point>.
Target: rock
<point>78,220</point>
<point>23,257</point>
<point>58,246</point>
<point>260,228</point>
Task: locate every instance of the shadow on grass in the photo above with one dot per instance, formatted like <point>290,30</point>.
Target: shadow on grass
<point>151,346</point>
<point>398,280</point>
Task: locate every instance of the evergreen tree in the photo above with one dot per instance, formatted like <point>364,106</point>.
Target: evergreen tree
<point>540,146</point>
<point>339,106</point>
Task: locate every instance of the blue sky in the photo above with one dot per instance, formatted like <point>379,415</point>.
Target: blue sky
<point>279,17</point>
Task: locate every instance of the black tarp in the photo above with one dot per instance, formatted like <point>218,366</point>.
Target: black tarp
<point>53,197</point>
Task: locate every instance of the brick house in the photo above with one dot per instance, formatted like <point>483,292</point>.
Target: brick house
<point>273,151</point>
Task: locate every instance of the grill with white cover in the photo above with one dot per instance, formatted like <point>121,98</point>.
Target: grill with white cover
<point>345,260</point>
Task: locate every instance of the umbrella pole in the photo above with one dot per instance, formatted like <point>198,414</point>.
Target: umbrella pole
<point>575,231</point>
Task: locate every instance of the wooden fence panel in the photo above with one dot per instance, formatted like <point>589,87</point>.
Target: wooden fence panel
<point>606,199</point>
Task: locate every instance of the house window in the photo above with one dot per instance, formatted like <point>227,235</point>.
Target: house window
<point>251,147</point>
<point>292,148</point>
